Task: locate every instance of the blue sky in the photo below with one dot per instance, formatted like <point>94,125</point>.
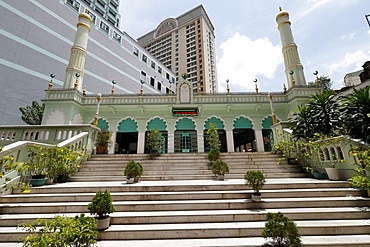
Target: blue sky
<point>333,36</point>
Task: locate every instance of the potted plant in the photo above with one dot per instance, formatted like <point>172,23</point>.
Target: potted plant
<point>213,137</point>
<point>282,230</point>
<point>133,170</point>
<point>360,182</point>
<point>220,168</point>
<point>63,230</point>
<point>101,206</point>
<point>103,140</point>
<point>140,172</point>
<point>256,180</point>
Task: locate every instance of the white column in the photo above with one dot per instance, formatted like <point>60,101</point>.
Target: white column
<point>171,142</point>
<point>111,148</point>
<point>259,140</point>
<point>200,141</point>
<point>230,141</point>
<point>141,142</point>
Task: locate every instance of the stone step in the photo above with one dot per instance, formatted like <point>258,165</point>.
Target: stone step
<point>181,195</point>
<point>198,216</point>
<point>173,205</point>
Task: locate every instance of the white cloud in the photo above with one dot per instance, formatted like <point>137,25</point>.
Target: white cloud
<point>242,60</point>
<point>350,62</point>
<point>347,36</point>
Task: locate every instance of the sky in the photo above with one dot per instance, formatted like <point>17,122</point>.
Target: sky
<point>333,36</point>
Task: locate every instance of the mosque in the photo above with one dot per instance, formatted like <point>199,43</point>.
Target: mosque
<point>243,120</point>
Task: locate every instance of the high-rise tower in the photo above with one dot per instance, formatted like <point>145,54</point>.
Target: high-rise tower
<point>293,66</point>
<point>186,44</point>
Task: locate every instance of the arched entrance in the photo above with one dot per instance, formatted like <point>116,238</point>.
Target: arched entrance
<point>127,137</point>
<point>160,125</point>
<point>221,133</point>
<point>243,133</point>
<point>267,134</point>
<point>185,139</point>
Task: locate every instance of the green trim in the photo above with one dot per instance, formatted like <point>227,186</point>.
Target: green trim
<point>266,123</point>
<point>217,121</point>
<point>127,126</point>
<point>157,123</point>
<point>185,124</point>
<point>242,123</point>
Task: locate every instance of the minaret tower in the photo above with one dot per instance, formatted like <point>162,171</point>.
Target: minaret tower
<point>75,69</point>
<point>293,66</point>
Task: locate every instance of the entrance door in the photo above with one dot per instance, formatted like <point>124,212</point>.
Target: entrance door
<point>185,143</point>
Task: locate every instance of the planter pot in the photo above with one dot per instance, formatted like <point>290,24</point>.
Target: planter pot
<point>136,179</point>
<point>130,181</point>
<point>62,178</point>
<point>319,175</point>
<point>338,174</point>
<point>256,197</point>
<point>36,182</point>
<point>221,177</point>
<point>309,175</point>
<point>39,176</point>
<point>101,149</point>
<point>49,181</point>
<point>103,223</point>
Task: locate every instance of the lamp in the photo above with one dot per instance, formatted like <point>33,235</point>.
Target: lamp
<point>51,81</point>
<point>227,86</point>
<point>76,82</point>
<point>97,109</point>
<point>113,83</point>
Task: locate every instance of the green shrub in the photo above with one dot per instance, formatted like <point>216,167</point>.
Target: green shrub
<point>282,230</point>
<point>219,167</point>
<point>79,231</point>
<point>255,179</point>
<point>101,204</point>
<point>213,155</point>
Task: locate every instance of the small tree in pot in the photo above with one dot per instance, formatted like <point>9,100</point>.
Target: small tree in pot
<point>255,179</point>
<point>103,140</point>
<point>220,168</point>
<point>102,205</point>
<point>133,170</point>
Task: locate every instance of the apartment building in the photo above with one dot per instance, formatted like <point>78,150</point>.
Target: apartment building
<point>186,44</point>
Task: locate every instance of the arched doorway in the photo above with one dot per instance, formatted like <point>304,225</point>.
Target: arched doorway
<point>160,125</point>
<point>127,137</point>
<point>185,139</point>
<point>243,133</point>
<point>267,134</point>
<point>221,133</point>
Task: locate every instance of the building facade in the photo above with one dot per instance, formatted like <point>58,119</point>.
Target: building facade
<point>186,44</point>
<point>243,120</point>
<point>37,37</point>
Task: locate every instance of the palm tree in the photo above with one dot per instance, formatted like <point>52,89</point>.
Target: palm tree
<point>302,123</point>
<point>355,110</point>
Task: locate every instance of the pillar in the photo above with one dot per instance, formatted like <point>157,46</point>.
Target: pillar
<point>259,140</point>
<point>200,139</point>
<point>112,147</point>
<point>171,142</point>
<point>141,142</point>
<point>76,64</point>
<point>230,141</point>
<point>293,66</point>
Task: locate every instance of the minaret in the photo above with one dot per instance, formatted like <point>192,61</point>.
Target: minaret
<point>75,69</point>
<point>293,66</point>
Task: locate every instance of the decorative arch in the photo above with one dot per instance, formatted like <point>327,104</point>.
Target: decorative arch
<point>267,122</point>
<point>158,123</point>
<point>242,122</point>
<point>166,26</point>
<point>127,125</point>
<point>56,117</point>
<point>219,123</point>
<point>77,119</point>
<point>185,124</point>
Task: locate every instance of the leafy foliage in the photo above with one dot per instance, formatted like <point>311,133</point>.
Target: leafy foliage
<point>154,142</point>
<point>213,155</point>
<point>255,179</point>
<point>101,204</point>
<point>133,169</point>
<point>213,137</point>
<point>220,167</point>
<point>61,231</point>
<point>325,83</point>
<point>103,138</point>
<point>355,111</point>
<point>320,115</point>
<point>282,230</point>
<point>33,114</point>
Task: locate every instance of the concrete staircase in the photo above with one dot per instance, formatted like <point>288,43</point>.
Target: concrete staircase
<point>178,202</point>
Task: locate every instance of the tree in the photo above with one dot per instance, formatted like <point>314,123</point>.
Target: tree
<point>354,114</point>
<point>325,83</point>
<point>32,115</point>
<point>213,137</point>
